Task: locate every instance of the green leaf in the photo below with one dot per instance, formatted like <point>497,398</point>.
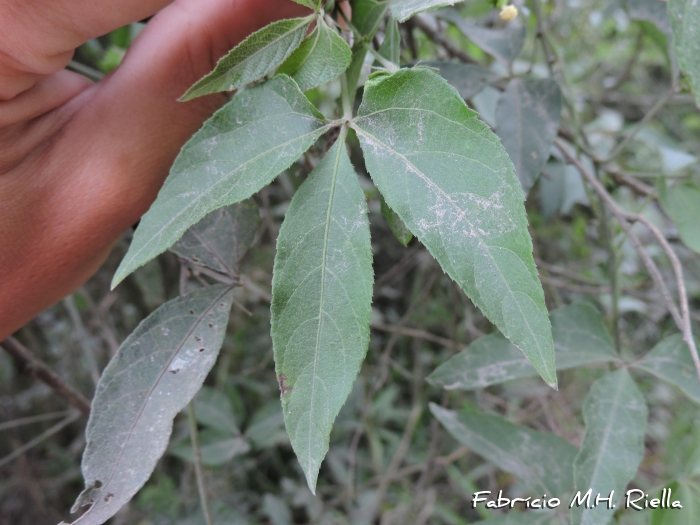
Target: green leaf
<point>220,239</point>
<point>260,133</point>
<point>542,461</point>
<point>217,448</point>
<point>682,203</point>
<point>580,338</point>
<point>527,121</point>
<point>447,176</point>
<point>313,4</point>
<point>670,361</point>
<point>689,496</point>
<point>398,228</point>
<point>391,46</point>
<point>405,9</point>
<point>367,14</point>
<point>653,11</point>
<point>254,58</point>
<point>502,44</point>
<point>320,58</point>
<point>155,373</point>
<point>213,409</point>
<point>685,24</point>
<point>468,79</point>
<point>613,446</point>
<point>321,301</point>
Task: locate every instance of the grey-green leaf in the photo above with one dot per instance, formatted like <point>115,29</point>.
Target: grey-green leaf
<point>313,4</point>
<point>448,177</point>
<point>688,493</point>
<point>398,228</point>
<point>542,461</point>
<point>405,9</point>
<point>155,373</point>
<point>502,44</point>
<point>216,448</point>
<point>468,79</point>
<point>580,338</point>
<point>320,58</point>
<point>245,145</point>
<point>220,239</point>
<point>685,24</point>
<point>321,301</point>
<point>670,361</point>
<point>254,58</point>
<point>391,46</point>
<point>527,121</point>
<point>682,203</point>
<point>613,446</point>
<point>653,11</point>
<point>213,408</point>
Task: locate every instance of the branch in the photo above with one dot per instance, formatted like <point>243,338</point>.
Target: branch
<point>436,36</point>
<point>682,318</point>
<point>30,365</point>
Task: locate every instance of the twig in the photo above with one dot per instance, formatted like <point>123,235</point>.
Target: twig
<point>30,365</point>
<point>624,217</point>
<point>82,337</point>
<point>412,332</point>
<point>40,438</point>
<point>436,36</point>
<point>33,419</point>
<point>201,487</point>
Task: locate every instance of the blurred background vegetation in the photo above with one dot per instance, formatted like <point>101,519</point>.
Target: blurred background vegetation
<point>388,454</point>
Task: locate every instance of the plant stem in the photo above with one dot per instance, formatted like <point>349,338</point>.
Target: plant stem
<point>194,436</point>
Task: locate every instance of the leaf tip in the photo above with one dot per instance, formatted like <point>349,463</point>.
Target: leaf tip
<point>554,386</point>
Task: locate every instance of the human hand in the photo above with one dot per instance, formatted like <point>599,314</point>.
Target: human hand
<point>81,162</point>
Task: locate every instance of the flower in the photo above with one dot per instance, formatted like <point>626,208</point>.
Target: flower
<point>509,13</point>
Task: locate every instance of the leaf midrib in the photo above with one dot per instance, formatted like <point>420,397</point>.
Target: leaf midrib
<point>462,215</point>
<point>182,343</point>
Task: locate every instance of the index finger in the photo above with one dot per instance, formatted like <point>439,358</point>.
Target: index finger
<point>39,36</point>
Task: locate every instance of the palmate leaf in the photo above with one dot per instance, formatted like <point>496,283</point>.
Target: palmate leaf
<point>580,338</point>
<point>685,25</point>
<point>155,373</point>
<point>254,58</point>
<point>321,57</point>
<point>220,239</point>
<point>447,176</point>
<point>527,121</point>
<point>321,301</point>
<point>613,446</point>
<point>670,361</point>
<point>542,461</point>
<point>405,9</point>
<point>245,145</point>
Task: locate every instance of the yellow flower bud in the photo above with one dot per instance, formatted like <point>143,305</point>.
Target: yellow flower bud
<point>509,13</point>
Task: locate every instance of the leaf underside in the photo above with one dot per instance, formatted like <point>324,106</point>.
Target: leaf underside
<point>254,58</point>
<point>155,373</point>
<point>447,176</point>
<point>580,338</point>
<point>542,461</point>
<point>402,10</point>
<point>245,145</point>
<point>321,302</point>
<point>527,117</point>
<point>670,361</point>
<point>613,446</point>
<point>220,239</point>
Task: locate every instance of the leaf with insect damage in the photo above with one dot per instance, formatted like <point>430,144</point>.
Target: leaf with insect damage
<point>155,373</point>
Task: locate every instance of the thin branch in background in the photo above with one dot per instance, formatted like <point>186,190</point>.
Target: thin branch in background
<point>434,34</point>
<point>201,487</point>
<point>74,416</point>
<point>84,340</point>
<point>33,419</point>
<point>624,217</point>
<point>30,365</point>
<point>413,332</point>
